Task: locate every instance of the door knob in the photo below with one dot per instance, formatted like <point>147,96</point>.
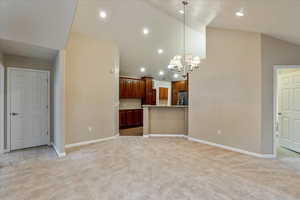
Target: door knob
<point>14,114</point>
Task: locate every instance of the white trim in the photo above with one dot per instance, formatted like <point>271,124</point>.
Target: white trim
<point>2,117</point>
<point>57,152</point>
<point>232,148</point>
<point>275,82</point>
<point>89,142</point>
<point>8,125</point>
<point>166,135</point>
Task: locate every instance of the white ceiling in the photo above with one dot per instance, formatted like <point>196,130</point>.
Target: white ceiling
<point>124,25</point>
<point>44,23</point>
<point>39,27</point>
<point>9,47</point>
<point>278,18</point>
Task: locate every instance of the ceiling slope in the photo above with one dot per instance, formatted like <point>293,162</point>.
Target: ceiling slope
<point>278,18</point>
<point>124,24</point>
<point>44,23</point>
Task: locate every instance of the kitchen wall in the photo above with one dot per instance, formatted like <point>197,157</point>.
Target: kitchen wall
<point>91,93</point>
<point>130,104</point>
<point>274,52</point>
<point>225,94</point>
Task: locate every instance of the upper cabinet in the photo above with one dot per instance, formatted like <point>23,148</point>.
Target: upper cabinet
<point>132,88</point>
<point>163,93</point>
<point>148,97</point>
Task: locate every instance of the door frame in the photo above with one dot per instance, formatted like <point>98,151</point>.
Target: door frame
<point>275,93</point>
<point>8,98</point>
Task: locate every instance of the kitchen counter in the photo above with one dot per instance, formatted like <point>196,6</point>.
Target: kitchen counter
<point>165,106</point>
<point>165,120</point>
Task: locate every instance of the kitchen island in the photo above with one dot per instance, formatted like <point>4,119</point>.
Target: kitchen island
<point>165,120</point>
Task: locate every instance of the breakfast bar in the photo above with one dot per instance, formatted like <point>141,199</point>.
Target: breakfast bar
<point>165,120</point>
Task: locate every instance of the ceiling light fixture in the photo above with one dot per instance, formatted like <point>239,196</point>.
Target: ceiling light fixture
<point>160,51</point>
<point>143,69</point>
<point>185,63</point>
<point>161,73</point>
<point>240,13</point>
<point>145,31</point>
<point>102,14</point>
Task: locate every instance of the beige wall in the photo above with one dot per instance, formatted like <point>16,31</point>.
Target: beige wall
<point>274,52</point>
<point>90,88</point>
<point>225,93</point>
<point>233,90</point>
<point>59,103</point>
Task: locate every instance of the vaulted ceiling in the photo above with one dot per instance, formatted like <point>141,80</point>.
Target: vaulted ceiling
<point>46,24</point>
<point>124,24</point>
<point>35,27</point>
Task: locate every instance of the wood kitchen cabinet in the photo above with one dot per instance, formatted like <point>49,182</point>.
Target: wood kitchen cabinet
<point>163,93</point>
<point>153,101</point>
<point>131,88</point>
<point>148,96</point>
<point>130,118</point>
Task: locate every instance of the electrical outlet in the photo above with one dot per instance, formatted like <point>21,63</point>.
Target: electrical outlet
<point>90,129</point>
<point>219,132</point>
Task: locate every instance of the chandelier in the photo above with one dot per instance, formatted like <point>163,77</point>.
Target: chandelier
<point>186,63</point>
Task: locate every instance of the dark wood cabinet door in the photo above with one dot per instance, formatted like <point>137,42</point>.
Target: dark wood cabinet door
<point>122,119</point>
<point>122,86</point>
<point>131,88</point>
<point>130,118</point>
<point>153,97</point>
<point>142,88</point>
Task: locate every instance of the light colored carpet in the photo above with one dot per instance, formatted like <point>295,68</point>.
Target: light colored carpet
<point>137,168</point>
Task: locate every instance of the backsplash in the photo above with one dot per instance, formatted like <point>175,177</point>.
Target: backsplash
<point>130,104</point>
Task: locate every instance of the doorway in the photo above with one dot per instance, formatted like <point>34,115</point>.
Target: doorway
<point>287,111</point>
<point>28,105</point>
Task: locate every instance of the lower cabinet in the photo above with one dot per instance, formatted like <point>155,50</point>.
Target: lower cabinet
<point>131,118</point>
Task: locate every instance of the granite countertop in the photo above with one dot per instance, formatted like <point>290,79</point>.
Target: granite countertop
<point>165,106</point>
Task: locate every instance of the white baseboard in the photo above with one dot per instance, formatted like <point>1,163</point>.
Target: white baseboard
<point>89,142</point>
<point>57,152</point>
<point>166,135</point>
<point>232,148</point>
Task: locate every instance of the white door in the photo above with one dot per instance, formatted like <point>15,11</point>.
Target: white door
<point>28,108</point>
<point>289,111</point>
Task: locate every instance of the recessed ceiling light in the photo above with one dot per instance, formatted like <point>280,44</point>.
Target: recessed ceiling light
<point>240,13</point>
<point>143,69</point>
<point>102,14</point>
<point>161,73</point>
<point>176,75</point>
<point>160,51</point>
<point>145,31</point>
<point>181,11</point>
